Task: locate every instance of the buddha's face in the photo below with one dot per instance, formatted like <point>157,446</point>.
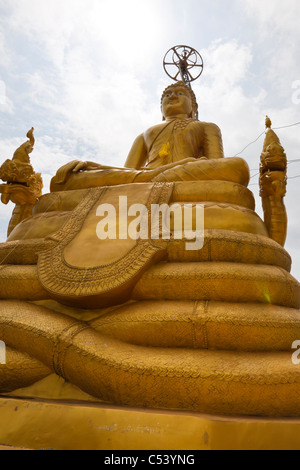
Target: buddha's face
<point>177,101</point>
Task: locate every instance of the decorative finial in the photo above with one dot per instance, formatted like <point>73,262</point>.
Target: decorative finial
<point>273,182</point>
<point>23,185</point>
<point>268,123</point>
<point>22,153</point>
<point>30,136</point>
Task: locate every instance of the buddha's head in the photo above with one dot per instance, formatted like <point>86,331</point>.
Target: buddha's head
<point>178,99</point>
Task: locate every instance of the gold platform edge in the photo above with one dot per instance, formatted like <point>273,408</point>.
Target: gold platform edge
<point>45,425</point>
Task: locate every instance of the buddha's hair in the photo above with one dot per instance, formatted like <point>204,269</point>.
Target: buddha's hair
<point>188,89</point>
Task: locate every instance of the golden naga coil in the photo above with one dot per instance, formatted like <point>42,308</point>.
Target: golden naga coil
<point>153,377</point>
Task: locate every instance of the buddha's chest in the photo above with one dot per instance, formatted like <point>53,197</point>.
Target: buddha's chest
<point>157,134</point>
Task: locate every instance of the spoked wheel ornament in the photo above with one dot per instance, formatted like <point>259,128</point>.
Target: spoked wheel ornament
<point>183,63</point>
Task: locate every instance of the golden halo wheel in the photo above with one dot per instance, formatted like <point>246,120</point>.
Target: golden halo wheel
<point>183,63</point>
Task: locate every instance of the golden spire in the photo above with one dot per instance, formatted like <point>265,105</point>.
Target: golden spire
<point>268,123</point>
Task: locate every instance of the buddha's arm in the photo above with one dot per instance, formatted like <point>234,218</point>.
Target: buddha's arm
<point>213,143</point>
<point>138,154</point>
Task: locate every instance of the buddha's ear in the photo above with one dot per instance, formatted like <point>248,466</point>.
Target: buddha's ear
<point>194,113</point>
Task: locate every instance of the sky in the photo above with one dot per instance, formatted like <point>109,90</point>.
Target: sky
<point>88,76</point>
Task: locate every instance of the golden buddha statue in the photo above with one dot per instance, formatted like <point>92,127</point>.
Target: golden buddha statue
<point>146,323</point>
<point>171,151</point>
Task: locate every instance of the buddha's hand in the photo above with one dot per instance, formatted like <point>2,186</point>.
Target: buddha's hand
<point>80,166</point>
<point>88,166</point>
<point>64,172</point>
<point>76,166</point>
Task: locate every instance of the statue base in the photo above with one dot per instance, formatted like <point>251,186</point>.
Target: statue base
<point>48,424</point>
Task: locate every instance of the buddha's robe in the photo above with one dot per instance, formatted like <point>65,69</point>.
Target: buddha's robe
<point>175,141</point>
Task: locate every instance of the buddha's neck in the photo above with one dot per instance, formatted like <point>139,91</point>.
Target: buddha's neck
<point>177,116</point>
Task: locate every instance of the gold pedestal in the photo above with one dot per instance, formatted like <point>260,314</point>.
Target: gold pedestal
<point>43,424</point>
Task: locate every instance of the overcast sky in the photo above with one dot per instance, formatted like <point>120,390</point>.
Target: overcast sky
<point>88,76</point>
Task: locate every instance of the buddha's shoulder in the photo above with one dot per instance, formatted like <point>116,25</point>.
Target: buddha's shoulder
<point>156,128</point>
<point>200,126</point>
<point>154,131</point>
<point>210,127</point>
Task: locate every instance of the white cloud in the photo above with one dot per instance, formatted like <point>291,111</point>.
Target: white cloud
<point>5,58</point>
<point>105,29</point>
<point>6,105</point>
<point>279,37</point>
<point>228,62</point>
<point>282,17</point>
